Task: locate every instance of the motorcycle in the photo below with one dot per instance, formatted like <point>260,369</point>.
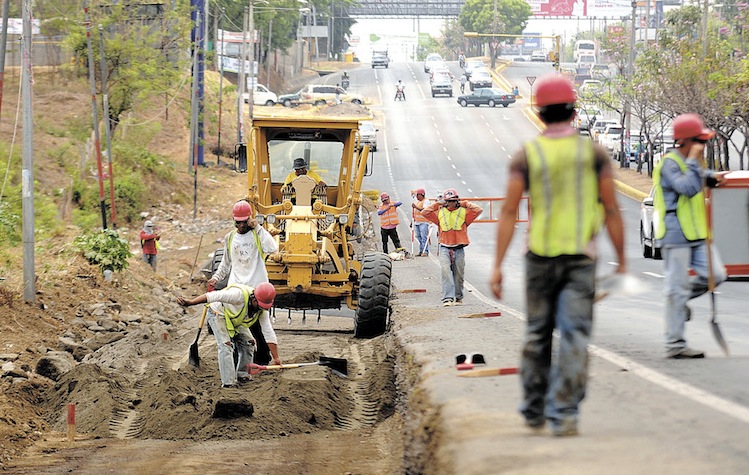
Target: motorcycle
<point>462,63</point>
<point>400,94</point>
<point>345,82</point>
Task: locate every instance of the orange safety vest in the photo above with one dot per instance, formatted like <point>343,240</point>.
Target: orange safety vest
<point>417,214</point>
<point>389,219</point>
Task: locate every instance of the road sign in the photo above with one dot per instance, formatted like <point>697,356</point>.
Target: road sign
<point>531,79</point>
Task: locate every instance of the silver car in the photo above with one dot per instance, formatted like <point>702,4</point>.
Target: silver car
<point>368,134</point>
<point>648,243</point>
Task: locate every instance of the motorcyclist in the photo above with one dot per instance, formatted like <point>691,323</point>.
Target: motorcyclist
<point>462,60</point>
<point>400,91</point>
<point>345,80</point>
<point>463,84</point>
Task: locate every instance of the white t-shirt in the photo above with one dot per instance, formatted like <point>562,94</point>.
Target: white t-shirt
<point>243,262</point>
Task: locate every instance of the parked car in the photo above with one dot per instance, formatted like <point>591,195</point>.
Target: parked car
<point>472,64</point>
<point>488,96</point>
<point>599,126</point>
<point>442,84</point>
<point>319,94</point>
<point>648,243</point>
<point>433,59</point>
<point>480,78</point>
<point>611,137</point>
<point>368,134</point>
<point>290,100</point>
<point>262,96</point>
<point>538,56</point>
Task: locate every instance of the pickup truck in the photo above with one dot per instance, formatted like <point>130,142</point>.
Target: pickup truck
<point>380,59</point>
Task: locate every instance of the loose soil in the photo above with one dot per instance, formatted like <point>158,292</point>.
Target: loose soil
<point>138,403</point>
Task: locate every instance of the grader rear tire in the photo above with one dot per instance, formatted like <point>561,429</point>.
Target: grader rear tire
<point>374,295</point>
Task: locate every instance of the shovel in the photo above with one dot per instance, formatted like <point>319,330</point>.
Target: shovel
<point>717,333</point>
<point>338,365</point>
<point>194,358</point>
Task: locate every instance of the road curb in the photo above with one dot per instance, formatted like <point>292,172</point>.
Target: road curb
<point>629,191</point>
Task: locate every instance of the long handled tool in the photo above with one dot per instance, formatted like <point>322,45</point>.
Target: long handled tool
<point>194,358</point>
<point>717,333</point>
<point>338,365</point>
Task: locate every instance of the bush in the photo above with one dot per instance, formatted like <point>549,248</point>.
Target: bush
<point>104,248</point>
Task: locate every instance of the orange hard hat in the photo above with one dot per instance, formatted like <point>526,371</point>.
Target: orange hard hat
<point>450,194</point>
<point>690,126</point>
<point>421,191</point>
<point>384,196</point>
<point>242,211</point>
<point>553,89</point>
<point>264,294</point>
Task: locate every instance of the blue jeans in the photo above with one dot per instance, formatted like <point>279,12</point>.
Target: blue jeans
<point>150,259</point>
<point>242,343</point>
<point>559,294</point>
<point>452,264</point>
<point>422,235</point>
<point>679,287</point>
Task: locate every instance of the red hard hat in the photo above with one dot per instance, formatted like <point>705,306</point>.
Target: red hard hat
<point>265,293</point>
<point>689,126</point>
<point>450,194</point>
<point>384,196</point>
<point>421,191</point>
<point>242,211</point>
<point>553,89</point>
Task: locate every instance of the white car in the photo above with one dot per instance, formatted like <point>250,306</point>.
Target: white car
<point>611,137</point>
<point>599,126</point>
<point>538,55</point>
<point>480,78</point>
<point>368,134</point>
<point>262,96</point>
<point>650,247</point>
<point>433,59</point>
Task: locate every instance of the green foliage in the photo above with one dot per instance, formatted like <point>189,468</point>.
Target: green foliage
<point>511,16</point>
<point>104,248</point>
<point>10,225</point>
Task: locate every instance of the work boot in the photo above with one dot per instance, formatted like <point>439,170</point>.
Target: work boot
<point>684,353</point>
<point>688,313</point>
<point>447,302</point>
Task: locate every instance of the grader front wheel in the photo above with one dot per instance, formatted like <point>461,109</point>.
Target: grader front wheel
<point>374,295</point>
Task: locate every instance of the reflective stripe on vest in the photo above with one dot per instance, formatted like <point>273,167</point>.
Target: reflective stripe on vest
<point>389,217</point>
<point>242,318</point>
<point>563,190</point>
<point>451,220</point>
<point>689,211</point>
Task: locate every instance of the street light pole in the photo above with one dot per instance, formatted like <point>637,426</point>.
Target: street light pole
<point>630,70</point>
<point>252,59</point>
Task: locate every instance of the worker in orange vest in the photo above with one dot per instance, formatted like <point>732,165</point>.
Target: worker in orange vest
<point>421,224</point>
<point>388,214</point>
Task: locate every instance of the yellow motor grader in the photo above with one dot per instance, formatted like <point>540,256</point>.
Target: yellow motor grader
<point>316,217</point>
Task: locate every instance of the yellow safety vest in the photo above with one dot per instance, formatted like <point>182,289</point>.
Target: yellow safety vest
<point>689,211</point>
<point>564,198</point>
<point>242,318</point>
<point>451,220</point>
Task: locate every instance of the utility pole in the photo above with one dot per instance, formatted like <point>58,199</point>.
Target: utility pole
<point>3,44</point>
<point>252,61</point>
<point>220,56</point>
<point>107,127</point>
<point>704,30</point>
<point>270,45</point>
<point>27,175</point>
<point>630,71</point>
<point>242,80</point>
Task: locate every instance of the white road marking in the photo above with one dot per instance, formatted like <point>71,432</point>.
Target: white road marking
<point>653,274</point>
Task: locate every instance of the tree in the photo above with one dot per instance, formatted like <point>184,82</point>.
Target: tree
<point>508,17</point>
<point>145,52</point>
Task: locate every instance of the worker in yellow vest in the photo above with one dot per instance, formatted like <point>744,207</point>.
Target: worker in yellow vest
<point>452,216</point>
<point>388,213</point>
<point>680,225</point>
<point>569,181</point>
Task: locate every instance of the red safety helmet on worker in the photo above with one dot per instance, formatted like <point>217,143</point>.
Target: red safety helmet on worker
<point>384,196</point>
<point>554,90</point>
<point>265,293</point>
<point>690,126</point>
<point>242,211</point>
<point>450,194</point>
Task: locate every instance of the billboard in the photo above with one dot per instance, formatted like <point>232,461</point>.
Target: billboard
<point>581,8</point>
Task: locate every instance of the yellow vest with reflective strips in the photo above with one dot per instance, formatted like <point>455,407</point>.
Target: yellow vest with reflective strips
<point>689,211</point>
<point>451,220</point>
<point>563,190</point>
<point>242,318</point>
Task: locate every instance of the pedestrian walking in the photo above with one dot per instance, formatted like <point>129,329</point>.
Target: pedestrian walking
<point>149,244</point>
<point>389,221</point>
<point>420,223</point>
<point>338,92</point>
<point>230,314</point>
<point>568,179</point>
<point>463,80</point>
<point>452,216</point>
<point>243,262</point>
<point>680,222</point>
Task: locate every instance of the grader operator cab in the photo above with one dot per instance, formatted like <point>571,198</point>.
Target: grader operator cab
<point>316,217</point>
